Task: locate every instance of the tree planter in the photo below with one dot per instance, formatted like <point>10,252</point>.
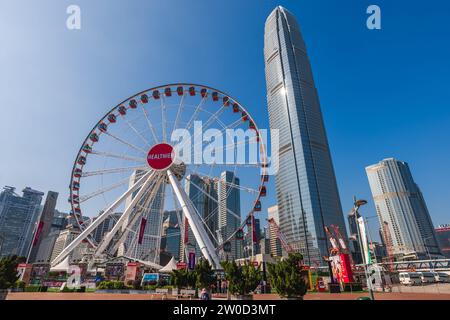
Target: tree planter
<point>242,297</point>
<point>3,294</point>
<point>292,298</point>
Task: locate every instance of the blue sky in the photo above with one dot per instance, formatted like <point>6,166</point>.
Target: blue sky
<point>384,93</point>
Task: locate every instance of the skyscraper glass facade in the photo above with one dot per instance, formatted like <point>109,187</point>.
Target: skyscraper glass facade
<point>307,192</point>
<point>18,215</point>
<point>399,202</point>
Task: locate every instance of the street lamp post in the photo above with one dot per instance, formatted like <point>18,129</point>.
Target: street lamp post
<point>356,205</point>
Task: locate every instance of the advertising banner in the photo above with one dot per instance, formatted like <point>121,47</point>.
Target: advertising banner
<point>362,231</point>
<point>38,232</point>
<point>347,274</point>
<point>191,260</point>
<point>132,271</point>
<point>141,230</point>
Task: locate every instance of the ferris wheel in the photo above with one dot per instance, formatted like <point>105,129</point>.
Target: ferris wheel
<point>183,151</point>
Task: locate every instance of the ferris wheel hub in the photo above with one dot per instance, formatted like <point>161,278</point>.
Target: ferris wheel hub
<point>161,156</point>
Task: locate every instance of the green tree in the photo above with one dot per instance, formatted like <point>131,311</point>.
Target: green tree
<point>8,271</point>
<point>180,278</point>
<point>285,277</point>
<point>204,275</point>
<point>241,279</point>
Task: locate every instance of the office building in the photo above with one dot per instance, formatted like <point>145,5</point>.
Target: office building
<point>18,215</point>
<point>43,225</point>
<point>443,237</point>
<point>307,192</point>
<point>400,203</point>
<point>64,238</point>
<point>229,212</point>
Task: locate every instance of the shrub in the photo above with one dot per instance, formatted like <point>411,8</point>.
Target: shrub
<point>8,271</point>
<point>20,285</point>
<point>204,275</point>
<point>110,285</point>
<point>286,278</point>
<point>242,279</point>
<point>136,285</point>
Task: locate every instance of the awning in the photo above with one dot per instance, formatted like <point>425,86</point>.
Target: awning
<point>172,265</point>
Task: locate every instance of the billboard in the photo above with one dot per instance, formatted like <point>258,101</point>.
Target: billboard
<point>191,260</point>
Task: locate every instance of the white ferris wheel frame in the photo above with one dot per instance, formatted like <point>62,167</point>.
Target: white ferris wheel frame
<point>150,182</point>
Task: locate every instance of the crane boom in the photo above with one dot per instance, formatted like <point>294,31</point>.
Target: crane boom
<point>281,236</point>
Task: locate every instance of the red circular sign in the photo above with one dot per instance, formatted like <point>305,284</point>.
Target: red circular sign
<point>160,156</point>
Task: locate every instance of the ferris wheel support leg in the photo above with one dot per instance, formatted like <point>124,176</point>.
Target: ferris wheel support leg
<point>204,242</point>
<point>136,217</point>
<point>110,235</point>
<point>86,232</point>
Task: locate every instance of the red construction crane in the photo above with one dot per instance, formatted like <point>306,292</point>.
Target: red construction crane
<point>335,247</point>
<point>342,243</point>
<point>287,247</point>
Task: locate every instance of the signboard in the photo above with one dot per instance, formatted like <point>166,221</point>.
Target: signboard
<point>191,260</point>
<point>114,271</point>
<point>24,272</point>
<point>347,274</point>
<point>181,265</point>
<point>150,278</point>
<point>362,231</point>
<point>132,272</point>
<point>160,156</point>
<point>187,292</point>
<point>161,291</point>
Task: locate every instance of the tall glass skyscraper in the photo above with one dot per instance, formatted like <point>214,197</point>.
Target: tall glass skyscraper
<point>307,192</point>
<point>18,215</point>
<point>399,202</point>
<point>229,199</point>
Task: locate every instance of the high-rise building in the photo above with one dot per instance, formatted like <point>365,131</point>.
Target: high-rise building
<point>229,215</point>
<point>64,238</point>
<point>275,243</point>
<point>202,191</point>
<point>151,213</point>
<point>307,192</point>
<point>377,251</point>
<point>171,237</point>
<point>443,236</point>
<point>400,203</point>
<point>59,222</point>
<point>105,226</point>
<point>43,225</point>
<point>18,215</point>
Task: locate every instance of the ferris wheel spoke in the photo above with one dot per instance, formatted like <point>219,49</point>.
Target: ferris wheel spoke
<point>180,109</point>
<point>89,229</point>
<point>125,142</point>
<point>206,246</point>
<point>230,184</point>
<point>163,118</point>
<point>202,220</point>
<point>152,129</point>
<point>212,198</point>
<point>112,170</point>
<point>137,132</point>
<point>209,121</point>
<point>195,114</point>
<point>149,178</point>
<point>152,189</point>
<point>118,156</point>
<point>103,190</point>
